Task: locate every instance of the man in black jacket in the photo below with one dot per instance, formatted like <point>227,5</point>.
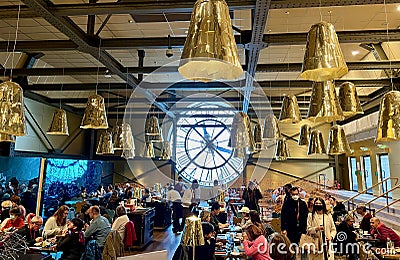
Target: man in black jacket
<point>294,217</point>
<point>31,231</point>
<point>251,195</point>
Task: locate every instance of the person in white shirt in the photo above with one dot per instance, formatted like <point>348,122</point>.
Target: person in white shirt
<point>120,222</point>
<point>190,198</point>
<point>174,197</point>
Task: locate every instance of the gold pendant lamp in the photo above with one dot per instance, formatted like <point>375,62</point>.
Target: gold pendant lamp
<point>152,127</point>
<point>389,118</point>
<point>193,233</point>
<point>316,145</point>
<point>105,146</point>
<point>258,141</point>
<point>59,124</point>
<point>117,138</point>
<point>95,114</point>
<point>128,154</point>
<point>149,150</point>
<point>290,112</point>
<point>127,137</point>
<point>165,151</point>
<point>324,104</point>
<point>337,143</point>
<point>271,128</point>
<point>323,58</point>
<point>7,138</point>
<point>304,135</point>
<point>241,134</point>
<point>348,99</point>
<point>12,115</point>
<point>210,51</point>
<point>282,151</point>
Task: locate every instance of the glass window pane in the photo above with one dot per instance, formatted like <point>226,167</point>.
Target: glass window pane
<point>353,168</point>
<point>385,172</point>
<point>367,173</point>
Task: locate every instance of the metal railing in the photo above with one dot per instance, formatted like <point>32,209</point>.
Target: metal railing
<point>386,194</point>
<point>317,184</point>
<point>351,199</point>
<point>388,205</point>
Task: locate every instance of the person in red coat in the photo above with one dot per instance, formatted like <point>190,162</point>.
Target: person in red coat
<point>15,221</point>
<point>382,232</point>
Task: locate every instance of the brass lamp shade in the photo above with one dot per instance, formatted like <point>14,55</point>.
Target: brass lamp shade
<point>59,124</point>
<point>149,150</point>
<point>290,112</point>
<point>152,127</point>
<point>316,145</point>
<point>165,151</point>
<point>258,141</point>
<point>117,138</point>
<point>241,134</point>
<point>282,151</point>
<point>12,116</point>
<point>304,135</point>
<point>389,118</point>
<point>95,114</point>
<point>337,143</point>
<point>127,137</point>
<point>7,138</point>
<point>210,50</point>
<point>324,104</point>
<point>271,128</point>
<point>348,99</point>
<point>128,154</point>
<point>193,233</point>
<point>323,59</point>
<point>105,145</point>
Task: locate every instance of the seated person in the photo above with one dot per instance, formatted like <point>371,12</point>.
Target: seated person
<point>205,216</point>
<point>99,227</point>
<point>280,243</point>
<point>215,210</point>
<point>14,222</point>
<point>6,205</point>
<point>245,217</point>
<point>346,244</point>
<point>365,223</point>
<point>120,222</point>
<point>31,231</point>
<point>255,244</point>
<point>382,232</point>
<point>206,251</point>
<point>56,224</point>
<point>72,242</point>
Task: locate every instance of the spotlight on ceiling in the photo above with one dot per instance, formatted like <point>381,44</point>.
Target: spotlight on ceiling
<point>107,74</point>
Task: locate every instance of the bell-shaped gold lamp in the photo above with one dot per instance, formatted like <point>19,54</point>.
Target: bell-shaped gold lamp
<point>12,115</point>
<point>348,99</point>
<point>210,50</point>
<point>7,138</point>
<point>165,151</point>
<point>317,145</point>
<point>59,124</point>
<point>271,128</point>
<point>282,151</point>
<point>324,104</point>
<point>323,58</point>
<point>389,118</point>
<point>290,112</point>
<point>258,141</point>
<point>95,114</point>
<point>128,154</point>
<point>304,135</point>
<point>152,127</point>
<point>117,138</point>
<point>127,137</point>
<point>337,143</point>
<point>105,145</point>
<point>193,233</point>
<point>241,134</point>
<point>148,150</point>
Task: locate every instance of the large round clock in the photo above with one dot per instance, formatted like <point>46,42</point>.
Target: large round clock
<point>202,150</point>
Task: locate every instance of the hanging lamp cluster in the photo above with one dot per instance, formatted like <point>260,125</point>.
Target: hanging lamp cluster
<point>241,139</point>
<point>153,134</point>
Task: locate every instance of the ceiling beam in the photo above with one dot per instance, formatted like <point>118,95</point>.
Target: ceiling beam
<point>168,6</point>
<point>178,42</point>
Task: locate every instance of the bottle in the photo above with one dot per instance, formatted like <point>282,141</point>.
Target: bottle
<point>388,245</point>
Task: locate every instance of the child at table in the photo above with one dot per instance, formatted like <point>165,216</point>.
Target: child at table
<point>72,243</point>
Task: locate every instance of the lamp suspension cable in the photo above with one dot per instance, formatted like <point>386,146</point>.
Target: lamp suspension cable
<point>98,66</point>
<point>15,39</point>
<point>320,10</point>
<point>8,54</point>
<point>62,85</point>
<point>388,41</point>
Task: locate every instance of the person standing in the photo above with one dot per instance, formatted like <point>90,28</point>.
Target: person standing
<point>174,197</point>
<point>251,196</point>
<point>190,198</point>
<point>180,186</point>
<point>294,216</point>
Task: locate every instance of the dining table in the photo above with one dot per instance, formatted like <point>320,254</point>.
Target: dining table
<point>229,244</point>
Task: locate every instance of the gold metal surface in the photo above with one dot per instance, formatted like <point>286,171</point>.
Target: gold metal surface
<point>7,138</point>
<point>165,151</point>
<point>348,99</point>
<point>95,114</point>
<point>105,145</point>
<point>304,135</point>
<point>127,137</point>
<point>152,127</point>
<point>59,124</point>
<point>128,154</point>
<point>12,116</point>
<point>324,104</point>
<point>282,151</point>
<point>193,233</point>
<point>241,134</point>
<point>210,50</point>
<point>271,128</point>
<point>317,145</point>
<point>337,143</point>
<point>389,118</point>
<point>117,138</point>
<point>323,58</point>
<point>290,112</point>
<point>148,150</point>
<point>258,141</point>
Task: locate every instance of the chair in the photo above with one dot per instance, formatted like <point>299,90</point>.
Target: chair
<point>276,224</point>
<point>130,235</point>
<point>79,205</point>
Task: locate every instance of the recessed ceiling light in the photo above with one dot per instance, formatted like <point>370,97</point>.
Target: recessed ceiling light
<point>130,21</point>
<point>354,53</point>
<point>287,12</point>
<point>186,32</point>
<point>398,8</point>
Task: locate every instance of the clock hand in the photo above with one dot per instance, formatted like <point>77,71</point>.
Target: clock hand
<point>222,149</point>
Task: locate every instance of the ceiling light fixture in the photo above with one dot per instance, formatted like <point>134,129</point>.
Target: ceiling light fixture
<point>354,53</point>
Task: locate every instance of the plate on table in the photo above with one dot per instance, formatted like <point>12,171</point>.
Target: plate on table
<point>234,253</point>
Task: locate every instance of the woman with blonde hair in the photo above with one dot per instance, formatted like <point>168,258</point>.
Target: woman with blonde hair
<point>205,216</point>
<point>56,224</point>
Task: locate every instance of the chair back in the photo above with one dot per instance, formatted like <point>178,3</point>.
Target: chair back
<point>276,224</point>
<point>130,234</point>
<point>237,220</point>
<point>79,205</point>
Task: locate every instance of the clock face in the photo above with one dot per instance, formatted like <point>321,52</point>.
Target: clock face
<point>202,150</point>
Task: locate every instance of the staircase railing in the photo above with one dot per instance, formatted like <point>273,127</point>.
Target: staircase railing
<point>388,205</point>
<point>351,199</point>
<point>386,194</point>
